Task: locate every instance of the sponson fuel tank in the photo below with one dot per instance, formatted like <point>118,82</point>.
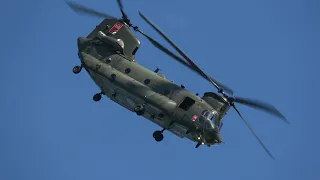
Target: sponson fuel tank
<point>127,83</point>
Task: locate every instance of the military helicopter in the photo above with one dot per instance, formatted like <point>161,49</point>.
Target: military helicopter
<point>108,56</point>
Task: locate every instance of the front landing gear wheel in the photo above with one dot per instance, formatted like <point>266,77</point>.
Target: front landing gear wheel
<point>198,145</point>
<point>139,109</point>
<point>97,97</point>
<point>76,69</point>
<point>158,136</point>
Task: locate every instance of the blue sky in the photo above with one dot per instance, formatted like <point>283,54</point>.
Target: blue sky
<point>51,129</point>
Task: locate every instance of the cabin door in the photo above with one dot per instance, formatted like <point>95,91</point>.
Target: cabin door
<point>182,110</point>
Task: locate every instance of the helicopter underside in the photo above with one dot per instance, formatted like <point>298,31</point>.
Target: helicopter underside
<point>128,101</point>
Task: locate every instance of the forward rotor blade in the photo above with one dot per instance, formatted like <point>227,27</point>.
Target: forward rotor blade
<point>251,129</point>
<point>84,10</point>
<point>191,63</point>
<point>124,15</point>
<point>261,106</point>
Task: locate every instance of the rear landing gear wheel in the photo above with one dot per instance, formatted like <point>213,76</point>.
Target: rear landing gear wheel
<point>158,136</point>
<point>97,97</point>
<point>139,109</point>
<point>76,69</point>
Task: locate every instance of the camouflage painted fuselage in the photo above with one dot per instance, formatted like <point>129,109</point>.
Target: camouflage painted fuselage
<point>122,79</point>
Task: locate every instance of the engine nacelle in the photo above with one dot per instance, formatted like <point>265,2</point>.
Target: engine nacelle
<point>115,44</point>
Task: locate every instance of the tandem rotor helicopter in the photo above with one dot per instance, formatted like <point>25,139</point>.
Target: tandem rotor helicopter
<point>108,56</point>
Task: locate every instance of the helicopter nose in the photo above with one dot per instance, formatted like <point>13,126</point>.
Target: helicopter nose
<point>81,41</point>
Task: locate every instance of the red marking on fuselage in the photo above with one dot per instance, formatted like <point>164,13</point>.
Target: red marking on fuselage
<point>116,27</point>
<point>195,117</point>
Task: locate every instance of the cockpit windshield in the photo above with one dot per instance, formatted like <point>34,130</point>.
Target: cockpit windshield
<point>211,118</point>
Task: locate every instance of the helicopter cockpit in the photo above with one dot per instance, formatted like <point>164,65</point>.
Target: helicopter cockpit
<point>208,120</point>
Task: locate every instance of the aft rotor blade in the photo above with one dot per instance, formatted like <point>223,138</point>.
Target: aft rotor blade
<point>192,64</point>
<point>165,50</point>
<point>179,59</point>
<point>251,129</point>
<point>261,106</point>
<point>84,10</point>
<point>124,15</point>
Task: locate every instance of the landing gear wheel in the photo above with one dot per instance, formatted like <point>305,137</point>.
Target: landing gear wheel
<point>97,97</point>
<point>139,109</point>
<point>158,136</point>
<point>76,69</point>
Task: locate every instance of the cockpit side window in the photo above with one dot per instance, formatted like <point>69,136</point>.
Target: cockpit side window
<point>205,113</point>
<point>210,115</point>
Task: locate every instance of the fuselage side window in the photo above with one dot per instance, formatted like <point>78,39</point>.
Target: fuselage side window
<point>186,103</point>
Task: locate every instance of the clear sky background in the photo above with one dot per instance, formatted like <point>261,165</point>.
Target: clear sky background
<point>50,129</point>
